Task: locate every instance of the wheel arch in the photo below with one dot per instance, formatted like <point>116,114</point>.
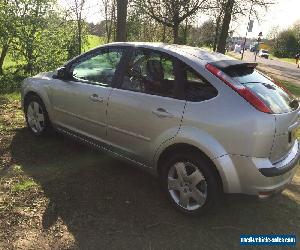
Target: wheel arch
<point>44,99</point>
<point>30,94</point>
<point>181,147</point>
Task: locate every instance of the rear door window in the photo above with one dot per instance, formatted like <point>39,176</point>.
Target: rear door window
<point>274,96</point>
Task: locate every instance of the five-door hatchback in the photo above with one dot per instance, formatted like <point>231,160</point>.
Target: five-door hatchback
<point>204,123</point>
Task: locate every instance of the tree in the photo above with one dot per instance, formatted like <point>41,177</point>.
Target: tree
<point>233,9</point>
<point>171,13</point>
<point>225,26</point>
<point>273,33</point>
<point>44,36</point>
<point>296,30</point>
<point>7,28</point>
<point>59,39</point>
<point>286,44</point>
<point>110,18</point>
<point>203,35</point>
<point>216,12</point>
<point>76,9</point>
<point>121,20</point>
<point>141,27</point>
<point>30,20</point>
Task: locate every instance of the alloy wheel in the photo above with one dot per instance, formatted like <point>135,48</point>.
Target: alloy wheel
<point>35,117</point>
<point>187,185</point>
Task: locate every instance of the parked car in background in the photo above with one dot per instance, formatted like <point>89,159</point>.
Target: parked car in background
<point>202,122</point>
<point>253,48</point>
<point>264,53</point>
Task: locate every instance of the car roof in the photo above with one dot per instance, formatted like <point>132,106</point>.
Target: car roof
<point>183,50</point>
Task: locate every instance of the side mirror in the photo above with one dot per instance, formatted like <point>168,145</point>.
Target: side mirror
<point>62,74</point>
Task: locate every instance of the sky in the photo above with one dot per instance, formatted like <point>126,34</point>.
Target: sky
<point>283,14</point>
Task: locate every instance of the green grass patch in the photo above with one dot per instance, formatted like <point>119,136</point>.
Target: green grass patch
<point>93,42</point>
<point>23,186</point>
<point>293,88</point>
<point>14,96</point>
<point>288,60</point>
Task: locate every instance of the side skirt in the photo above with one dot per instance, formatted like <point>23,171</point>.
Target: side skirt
<point>99,146</point>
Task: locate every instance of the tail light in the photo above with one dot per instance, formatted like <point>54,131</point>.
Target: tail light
<point>244,92</point>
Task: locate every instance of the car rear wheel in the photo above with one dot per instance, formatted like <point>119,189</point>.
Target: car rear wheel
<point>190,183</point>
<point>36,116</point>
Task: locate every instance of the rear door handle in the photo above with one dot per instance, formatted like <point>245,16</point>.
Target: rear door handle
<point>96,98</point>
<point>162,113</point>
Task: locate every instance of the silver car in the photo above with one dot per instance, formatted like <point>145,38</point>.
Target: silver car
<point>205,124</point>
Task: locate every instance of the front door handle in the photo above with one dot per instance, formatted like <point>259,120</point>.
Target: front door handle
<point>96,98</point>
<point>162,113</point>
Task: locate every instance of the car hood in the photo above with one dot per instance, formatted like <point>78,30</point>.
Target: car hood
<point>45,75</point>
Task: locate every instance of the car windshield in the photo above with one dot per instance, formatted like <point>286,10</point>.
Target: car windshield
<point>265,51</point>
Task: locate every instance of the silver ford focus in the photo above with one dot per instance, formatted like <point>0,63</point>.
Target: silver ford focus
<point>205,124</point>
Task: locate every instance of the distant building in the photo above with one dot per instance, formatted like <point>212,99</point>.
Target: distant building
<point>233,41</point>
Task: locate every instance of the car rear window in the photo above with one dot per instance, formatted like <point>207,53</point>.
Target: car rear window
<point>274,96</point>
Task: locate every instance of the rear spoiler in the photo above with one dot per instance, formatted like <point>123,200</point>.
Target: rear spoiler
<point>233,64</point>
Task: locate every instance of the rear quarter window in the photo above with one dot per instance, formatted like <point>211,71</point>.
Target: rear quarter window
<point>196,88</point>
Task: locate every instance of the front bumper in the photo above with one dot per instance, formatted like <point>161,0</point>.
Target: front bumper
<point>253,176</point>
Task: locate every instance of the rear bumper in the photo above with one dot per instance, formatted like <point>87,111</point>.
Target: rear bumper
<point>255,176</point>
<point>285,165</point>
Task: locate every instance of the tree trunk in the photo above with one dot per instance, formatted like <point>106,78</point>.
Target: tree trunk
<point>185,32</point>
<point>2,56</point>
<point>175,33</point>
<point>79,23</point>
<point>164,34</point>
<point>216,38</point>
<point>225,26</point>
<point>121,20</point>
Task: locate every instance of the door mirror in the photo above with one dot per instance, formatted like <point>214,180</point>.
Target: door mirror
<point>62,73</point>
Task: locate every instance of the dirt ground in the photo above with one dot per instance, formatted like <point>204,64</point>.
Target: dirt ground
<point>58,194</point>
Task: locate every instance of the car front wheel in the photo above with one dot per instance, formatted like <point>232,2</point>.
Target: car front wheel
<point>36,116</point>
<point>191,183</point>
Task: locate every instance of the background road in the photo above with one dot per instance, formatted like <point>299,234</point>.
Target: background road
<point>282,70</point>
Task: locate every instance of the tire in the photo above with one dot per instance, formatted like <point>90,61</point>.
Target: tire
<point>36,116</point>
<point>194,190</point>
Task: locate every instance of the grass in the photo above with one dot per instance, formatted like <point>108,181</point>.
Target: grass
<point>293,88</point>
<point>93,42</point>
<point>288,60</point>
<point>13,97</point>
<point>23,186</point>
